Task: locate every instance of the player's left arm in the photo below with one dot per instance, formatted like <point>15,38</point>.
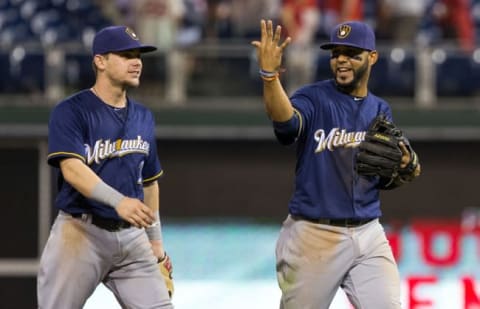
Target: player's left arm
<point>151,193</point>
<point>150,173</point>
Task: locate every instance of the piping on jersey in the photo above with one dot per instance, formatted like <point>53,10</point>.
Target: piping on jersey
<point>54,154</point>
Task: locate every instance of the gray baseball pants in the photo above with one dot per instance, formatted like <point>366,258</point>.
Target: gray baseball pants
<point>79,256</point>
<point>314,260</point>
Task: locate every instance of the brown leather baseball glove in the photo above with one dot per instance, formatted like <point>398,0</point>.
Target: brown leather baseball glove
<point>380,154</point>
<point>166,269</point>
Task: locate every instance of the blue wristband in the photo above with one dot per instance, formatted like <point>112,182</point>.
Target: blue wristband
<point>267,74</point>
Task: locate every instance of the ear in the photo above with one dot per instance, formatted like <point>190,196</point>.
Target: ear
<point>99,61</point>
<point>373,57</point>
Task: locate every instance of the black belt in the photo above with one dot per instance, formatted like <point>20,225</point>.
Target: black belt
<point>335,222</point>
<point>110,225</point>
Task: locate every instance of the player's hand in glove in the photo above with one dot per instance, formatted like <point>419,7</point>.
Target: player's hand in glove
<point>385,152</point>
<point>166,269</point>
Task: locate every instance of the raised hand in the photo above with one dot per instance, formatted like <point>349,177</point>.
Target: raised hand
<point>269,49</point>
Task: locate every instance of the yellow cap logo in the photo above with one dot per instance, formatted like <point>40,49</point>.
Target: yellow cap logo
<point>344,31</point>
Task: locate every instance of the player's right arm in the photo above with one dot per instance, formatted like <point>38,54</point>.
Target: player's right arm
<point>269,54</point>
<point>85,181</point>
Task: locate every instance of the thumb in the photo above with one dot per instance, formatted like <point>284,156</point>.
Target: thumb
<point>403,148</point>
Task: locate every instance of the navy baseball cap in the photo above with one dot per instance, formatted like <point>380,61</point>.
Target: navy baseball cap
<point>352,33</point>
<point>116,39</point>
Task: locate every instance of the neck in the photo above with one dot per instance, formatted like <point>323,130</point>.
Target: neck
<point>110,95</point>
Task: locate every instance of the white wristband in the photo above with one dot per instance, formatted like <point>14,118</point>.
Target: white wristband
<point>105,194</point>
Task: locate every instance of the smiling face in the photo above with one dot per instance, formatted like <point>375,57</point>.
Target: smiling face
<point>121,68</point>
<point>351,68</point>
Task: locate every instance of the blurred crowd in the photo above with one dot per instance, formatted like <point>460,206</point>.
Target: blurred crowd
<point>174,25</point>
<point>186,22</point>
<point>177,25</point>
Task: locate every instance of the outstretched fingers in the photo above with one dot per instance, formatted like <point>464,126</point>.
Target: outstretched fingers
<point>263,35</point>
<point>285,43</point>
<point>277,35</point>
<point>269,47</point>
<point>256,43</point>
<point>270,36</point>
<point>269,30</point>
<point>263,31</point>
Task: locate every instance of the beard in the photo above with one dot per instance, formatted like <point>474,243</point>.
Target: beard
<point>353,84</point>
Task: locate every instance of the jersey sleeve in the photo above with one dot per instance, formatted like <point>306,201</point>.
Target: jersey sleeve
<point>65,134</point>
<point>287,132</point>
<point>152,170</point>
<point>386,110</point>
<point>304,107</point>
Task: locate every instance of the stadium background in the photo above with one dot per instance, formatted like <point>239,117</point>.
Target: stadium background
<point>227,181</point>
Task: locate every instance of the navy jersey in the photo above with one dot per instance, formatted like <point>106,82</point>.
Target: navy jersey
<point>118,145</point>
<point>331,126</point>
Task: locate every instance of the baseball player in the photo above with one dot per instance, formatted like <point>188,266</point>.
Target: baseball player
<point>332,236</point>
<point>108,228</point>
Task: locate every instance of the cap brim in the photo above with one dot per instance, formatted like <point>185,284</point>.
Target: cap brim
<point>328,46</point>
<point>147,48</point>
<point>141,48</point>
